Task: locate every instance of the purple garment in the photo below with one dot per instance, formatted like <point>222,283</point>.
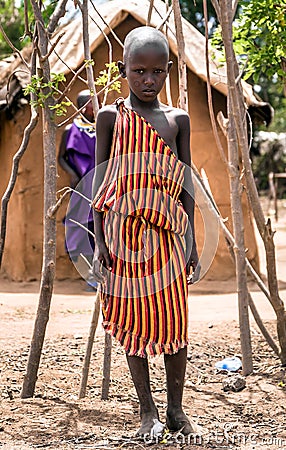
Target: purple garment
<point>80,154</point>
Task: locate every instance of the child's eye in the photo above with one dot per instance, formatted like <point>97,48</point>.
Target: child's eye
<point>158,71</point>
<point>139,71</point>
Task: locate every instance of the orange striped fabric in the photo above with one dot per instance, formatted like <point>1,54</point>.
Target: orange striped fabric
<point>144,299</point>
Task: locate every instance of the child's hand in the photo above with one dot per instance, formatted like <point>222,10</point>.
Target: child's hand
<point>101,262</point>
<point>193,262</point>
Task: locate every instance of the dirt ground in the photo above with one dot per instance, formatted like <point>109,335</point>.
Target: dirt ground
<point>55,418</point>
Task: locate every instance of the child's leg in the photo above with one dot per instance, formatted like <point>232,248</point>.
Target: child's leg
<point>175,373</point>
<point>139,370</point>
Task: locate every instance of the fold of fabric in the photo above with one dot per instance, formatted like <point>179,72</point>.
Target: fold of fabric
<point>144,299</point>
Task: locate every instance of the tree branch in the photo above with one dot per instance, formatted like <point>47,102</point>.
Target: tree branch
<point>209,90</point>
<point>71,83</point>
<point>109,59</point>
<point>59,12</point>
<point>89,72</point>
<point>12,46</point>
<point>43,58</point>
<point>26,15</point>
<point>234,8</point>
<point>216,6</point>
<point>165,19</point>
<point>150,10</point>
<point>107,25</point>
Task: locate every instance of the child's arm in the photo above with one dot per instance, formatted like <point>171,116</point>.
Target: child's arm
<point>104,133</point>
<point>187,195</point>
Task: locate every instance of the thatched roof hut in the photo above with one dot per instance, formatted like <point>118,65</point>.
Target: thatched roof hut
<point>22,259</point>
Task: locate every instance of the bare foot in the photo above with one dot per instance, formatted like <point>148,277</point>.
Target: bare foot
<point>147,423</point>
<point>178,421</point>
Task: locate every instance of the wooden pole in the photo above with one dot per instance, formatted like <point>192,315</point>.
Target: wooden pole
<point>106,367</point>
<point>92,330</point>
<point>183,91</point>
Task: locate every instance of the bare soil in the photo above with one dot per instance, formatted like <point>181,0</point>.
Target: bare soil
<point>55,418</point>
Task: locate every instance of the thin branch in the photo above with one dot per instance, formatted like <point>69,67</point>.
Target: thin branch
<point>150,10</point>
<point>26,15</point>
<point>216,6</point>
<point>109,57</point>
<point>161,17</point>
<point>87,55</point>
<point>77,111</point>
<point>43,58</point>
<point>12,46</point>
<point>9,80</point>
<point>71,83</point>
<point>209,90</point>
<point>159,27</point>
<point>234,8</point>
<point>107,25</point>
<point>261,326</point>
<point>237,80</point>
<point>228,236</point>
<point>59,12</point>
<point>108,85</point>
<point>52,211</point>
<point>83,227</point>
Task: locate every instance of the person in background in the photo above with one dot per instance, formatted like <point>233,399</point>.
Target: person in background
<point>77,158</point>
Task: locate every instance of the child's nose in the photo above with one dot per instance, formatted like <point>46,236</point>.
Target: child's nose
<point>148,80</point>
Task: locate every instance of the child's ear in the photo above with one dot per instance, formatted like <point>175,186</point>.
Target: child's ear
<point>121,68</point>
<point>170,64</point>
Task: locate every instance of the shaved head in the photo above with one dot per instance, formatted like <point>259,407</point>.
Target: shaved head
<point>83,97</point>
<point>144,37</point>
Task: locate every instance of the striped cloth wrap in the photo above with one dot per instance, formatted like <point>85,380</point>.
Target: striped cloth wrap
<point>144,298</point>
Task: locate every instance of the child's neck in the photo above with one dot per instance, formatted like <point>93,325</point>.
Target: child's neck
<point>137,105</point>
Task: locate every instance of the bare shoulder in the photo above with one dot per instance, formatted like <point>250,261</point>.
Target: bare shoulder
<point>179,115</point>
<point>106,116</point>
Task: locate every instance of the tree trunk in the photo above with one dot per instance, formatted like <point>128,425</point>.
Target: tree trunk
<point>236,191</point>
<point>265,230</point>
<point>49,243</point>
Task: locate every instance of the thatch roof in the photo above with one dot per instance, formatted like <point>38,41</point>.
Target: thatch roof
<point>112,13</point>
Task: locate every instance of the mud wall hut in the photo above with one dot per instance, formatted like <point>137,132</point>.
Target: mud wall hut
<point>23,252</point>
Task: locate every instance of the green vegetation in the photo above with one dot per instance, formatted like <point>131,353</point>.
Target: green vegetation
<point>109,75</point>
<point>13,22</point>
<point>259,32</point>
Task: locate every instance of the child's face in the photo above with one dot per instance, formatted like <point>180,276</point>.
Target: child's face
<point>88,111</point>
<point>146,69</point>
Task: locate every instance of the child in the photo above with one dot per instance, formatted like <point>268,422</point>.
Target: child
<point>144,225</point>
<point>77,158</point>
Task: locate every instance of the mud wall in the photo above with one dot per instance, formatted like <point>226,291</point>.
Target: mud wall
<point>23,252</point>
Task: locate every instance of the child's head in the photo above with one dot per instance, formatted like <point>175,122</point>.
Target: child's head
<point>144,37</point>
<point>145,62</point>
<point>82,98</point>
